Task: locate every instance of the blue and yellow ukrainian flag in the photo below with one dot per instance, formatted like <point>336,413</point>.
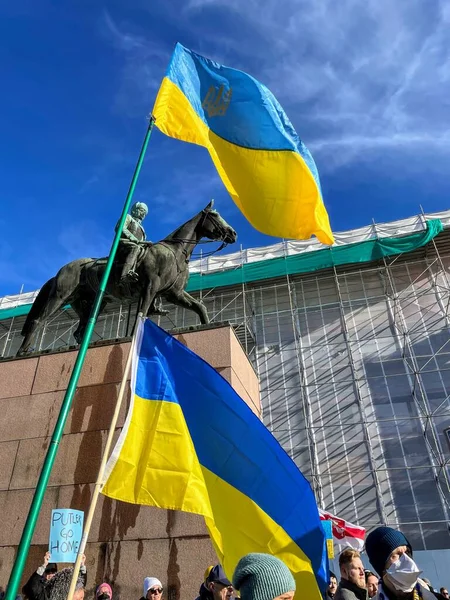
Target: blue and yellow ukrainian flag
<point>190,443</point>
<point>264,165</point>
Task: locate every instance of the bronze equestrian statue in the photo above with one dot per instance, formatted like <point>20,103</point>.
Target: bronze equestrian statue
<point>159,270</point>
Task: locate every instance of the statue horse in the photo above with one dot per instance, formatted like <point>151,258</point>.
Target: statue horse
<point>162,268</point>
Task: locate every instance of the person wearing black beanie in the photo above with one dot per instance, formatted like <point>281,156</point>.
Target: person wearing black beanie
<point>391,555</point>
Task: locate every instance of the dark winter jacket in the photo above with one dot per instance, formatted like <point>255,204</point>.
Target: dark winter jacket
<point>384,594</point>
<point>350,591</point>
<point>204,593</point>
<point>37,588</point>
<point>34,589</point>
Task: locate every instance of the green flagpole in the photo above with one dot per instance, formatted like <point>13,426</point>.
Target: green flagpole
<point>38,497</point>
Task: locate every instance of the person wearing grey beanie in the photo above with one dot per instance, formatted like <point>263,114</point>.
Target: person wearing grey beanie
<point>263,577</point>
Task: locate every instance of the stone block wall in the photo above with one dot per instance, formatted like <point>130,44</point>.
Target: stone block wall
<point>127,542</point>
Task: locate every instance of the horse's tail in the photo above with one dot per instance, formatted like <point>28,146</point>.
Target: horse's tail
<point>38,305</point>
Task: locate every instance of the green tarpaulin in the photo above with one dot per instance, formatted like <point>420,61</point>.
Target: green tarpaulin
<point>308,262</point>
<point>360,252</point>
<point>16,311</point>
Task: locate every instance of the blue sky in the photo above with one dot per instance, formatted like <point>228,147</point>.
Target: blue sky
<point>365,83</point>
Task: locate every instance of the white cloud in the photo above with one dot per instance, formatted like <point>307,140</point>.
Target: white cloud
<point>351,75</point>
<point>124,41</point>
<point>144,64</point>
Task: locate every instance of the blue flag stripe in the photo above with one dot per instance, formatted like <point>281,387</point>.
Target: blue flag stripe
<point>254,117</point>
<point>230,440</point>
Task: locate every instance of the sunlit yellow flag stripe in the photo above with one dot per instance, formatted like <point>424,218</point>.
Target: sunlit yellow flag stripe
<point>155,464</point>
<point>154,461</point>
<point>275,190</point>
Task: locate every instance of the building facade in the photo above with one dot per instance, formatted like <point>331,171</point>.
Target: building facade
<point>352,349</point>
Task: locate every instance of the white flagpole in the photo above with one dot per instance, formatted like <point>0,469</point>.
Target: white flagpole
<point>101,472</point>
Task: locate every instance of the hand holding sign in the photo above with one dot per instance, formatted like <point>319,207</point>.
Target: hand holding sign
<point>66,528</point>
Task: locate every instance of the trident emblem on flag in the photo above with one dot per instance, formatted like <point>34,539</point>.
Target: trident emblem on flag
<point>216,102</point>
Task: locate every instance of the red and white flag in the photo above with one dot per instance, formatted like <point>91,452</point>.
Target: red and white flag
<point>345,535</point>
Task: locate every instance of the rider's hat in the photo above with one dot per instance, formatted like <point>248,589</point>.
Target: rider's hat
<point>140,205</point>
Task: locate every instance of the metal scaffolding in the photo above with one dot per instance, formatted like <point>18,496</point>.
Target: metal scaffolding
<point>354,369</point>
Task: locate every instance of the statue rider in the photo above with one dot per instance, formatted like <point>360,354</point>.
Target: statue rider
<point>133,236</point>
<point>132,239</point>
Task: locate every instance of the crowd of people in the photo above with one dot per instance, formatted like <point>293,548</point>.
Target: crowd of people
<point>257,577</point>
<point>395,576</point>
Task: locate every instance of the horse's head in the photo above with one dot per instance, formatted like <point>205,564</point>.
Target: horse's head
<point>214,227</point>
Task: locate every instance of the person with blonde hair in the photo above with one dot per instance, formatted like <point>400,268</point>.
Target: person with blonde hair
<point>353,579</point>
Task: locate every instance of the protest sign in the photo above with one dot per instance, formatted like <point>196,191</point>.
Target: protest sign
<point>66,528</point>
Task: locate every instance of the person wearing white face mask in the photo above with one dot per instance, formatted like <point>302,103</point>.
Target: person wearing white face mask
<point>391,556</point>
